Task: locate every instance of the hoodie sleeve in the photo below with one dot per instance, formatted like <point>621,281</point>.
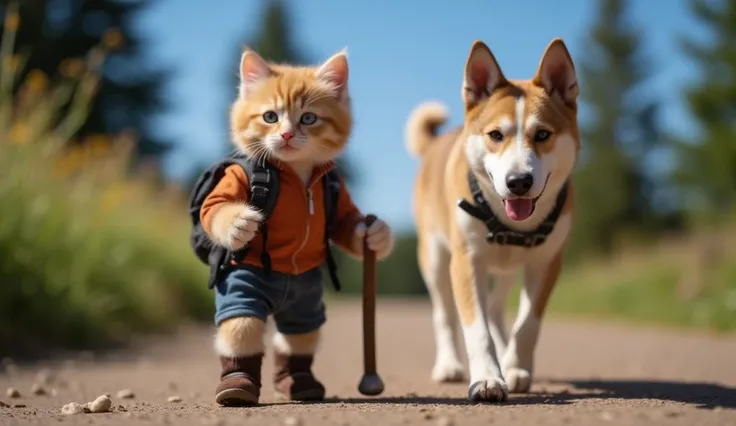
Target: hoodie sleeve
<point>232,188</point>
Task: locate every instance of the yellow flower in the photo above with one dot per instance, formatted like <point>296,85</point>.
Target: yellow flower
<point>19,133</point>
<point>99,144</point>
<point>12,22</point>
<point>71,67</point>
<point>11,62</point>
<point>112,38</point>
<point>36,80</point>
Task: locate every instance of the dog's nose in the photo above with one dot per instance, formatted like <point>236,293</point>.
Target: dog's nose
<point>519,183</point>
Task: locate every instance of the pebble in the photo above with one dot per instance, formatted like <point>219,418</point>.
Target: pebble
<point>13,393</point>
<point>45,376</point>
<point>174,398</point>
<point>292,421</point>
<point>73,408</point>
<point>125,394</point>
<point>3,404</point>
<point>19,405</point>
<point>100,405</point>
<point>444,421</point>
<point>37,389</point>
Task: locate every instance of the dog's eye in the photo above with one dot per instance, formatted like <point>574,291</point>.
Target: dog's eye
<point>542,135</point>
<point>496,136</point>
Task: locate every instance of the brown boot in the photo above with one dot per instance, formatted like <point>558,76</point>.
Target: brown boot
<point>293,378</point>
<point>240,381</point>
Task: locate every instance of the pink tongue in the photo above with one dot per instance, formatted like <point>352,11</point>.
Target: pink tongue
<point>519,208</point>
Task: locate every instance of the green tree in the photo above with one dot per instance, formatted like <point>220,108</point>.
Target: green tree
<point>707,166</point>
<point>615,190</point>
<point>131,89</point>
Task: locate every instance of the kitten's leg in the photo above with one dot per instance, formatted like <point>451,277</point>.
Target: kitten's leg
<point>239,343</point>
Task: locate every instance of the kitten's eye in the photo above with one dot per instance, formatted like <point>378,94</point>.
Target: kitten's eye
<point>542,135</point>
<point>496,136</point>
<point>270,117</point>
<point>308,118</point>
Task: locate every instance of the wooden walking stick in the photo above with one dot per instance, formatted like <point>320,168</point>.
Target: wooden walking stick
<point>371,383</point>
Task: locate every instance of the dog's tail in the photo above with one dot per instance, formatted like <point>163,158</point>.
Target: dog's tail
<point>421,128</point>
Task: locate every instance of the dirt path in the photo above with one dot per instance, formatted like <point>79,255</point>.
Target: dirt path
<point>589,374</point>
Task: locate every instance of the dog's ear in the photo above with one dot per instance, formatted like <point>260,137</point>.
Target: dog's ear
<point>482,75</point>
<point>556,72</point>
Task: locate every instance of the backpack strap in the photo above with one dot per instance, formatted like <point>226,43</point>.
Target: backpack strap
<point>263,179</point>
<point>331,186</point>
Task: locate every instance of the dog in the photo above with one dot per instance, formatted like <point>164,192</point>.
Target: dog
<point>492,197</point>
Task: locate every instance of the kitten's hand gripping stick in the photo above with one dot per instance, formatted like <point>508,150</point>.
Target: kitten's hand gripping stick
<point>371,383</point>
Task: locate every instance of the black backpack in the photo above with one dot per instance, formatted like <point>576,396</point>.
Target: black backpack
<point>264,189</point>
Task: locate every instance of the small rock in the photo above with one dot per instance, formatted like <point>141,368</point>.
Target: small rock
<point>19,405</point>
<point>292,421</point>
<point>121,408</point>
<point>45,376</point>
<point>73,408</point>
<point>444,421</point>
<point>606,416</point>
<point>13,393</point>
<point>37,389</point>
<point>100,405</point>
<point>125,394</point>
<point>174,398</point>
<point>3,405</point>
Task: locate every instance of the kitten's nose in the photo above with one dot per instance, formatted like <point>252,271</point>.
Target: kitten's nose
<point>287,135</point>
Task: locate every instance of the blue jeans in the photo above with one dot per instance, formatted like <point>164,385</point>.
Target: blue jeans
<point>295,301</point>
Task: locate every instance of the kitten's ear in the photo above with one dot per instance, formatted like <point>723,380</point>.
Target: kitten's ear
<point>335,72</point>
<point>556,72</point>
<point>253,70</point>
<point>482,74</point>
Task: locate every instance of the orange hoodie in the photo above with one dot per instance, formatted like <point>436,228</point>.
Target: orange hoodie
<point>296,226</point>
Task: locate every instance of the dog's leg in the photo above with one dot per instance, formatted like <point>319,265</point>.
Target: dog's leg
<point>434,262</point>
<point>469,285</point>
<point>518,361</point>
<point>496,309</point>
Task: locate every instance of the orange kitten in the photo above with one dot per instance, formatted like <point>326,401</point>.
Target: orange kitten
<point>298,115</point>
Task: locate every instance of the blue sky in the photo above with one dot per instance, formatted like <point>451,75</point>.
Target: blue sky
<point>401,53</point>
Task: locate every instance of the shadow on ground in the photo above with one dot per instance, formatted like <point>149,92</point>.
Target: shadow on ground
<point>698,395</point>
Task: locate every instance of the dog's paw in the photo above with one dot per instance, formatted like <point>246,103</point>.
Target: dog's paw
<point>493,389</point>
<point>448,372</point>
<point>518,379</point>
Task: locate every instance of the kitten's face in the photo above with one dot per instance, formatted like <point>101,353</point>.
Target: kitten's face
<point>292,114</point>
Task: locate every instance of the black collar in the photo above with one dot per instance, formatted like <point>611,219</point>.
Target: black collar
<point>499,233</point>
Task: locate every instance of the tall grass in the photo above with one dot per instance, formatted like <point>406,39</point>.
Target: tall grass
<point>88,251</point>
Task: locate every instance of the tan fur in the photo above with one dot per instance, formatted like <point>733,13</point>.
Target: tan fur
<point>296,344</point>
<point>422,126</point>
<point>292,91</point>
<point>224,224</point>
<point>546,146</point>
<point>240,336</point>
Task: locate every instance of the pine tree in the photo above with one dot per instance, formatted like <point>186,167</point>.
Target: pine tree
<point>130,92</point>
<point>615,193</point>
<point>707,166</point>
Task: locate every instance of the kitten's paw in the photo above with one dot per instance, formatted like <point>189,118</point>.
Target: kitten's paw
<point>379,237</point>
<point>492,389</point>
<point>235,225</point>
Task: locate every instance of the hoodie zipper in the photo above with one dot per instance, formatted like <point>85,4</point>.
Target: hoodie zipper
<point>310,205</point>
